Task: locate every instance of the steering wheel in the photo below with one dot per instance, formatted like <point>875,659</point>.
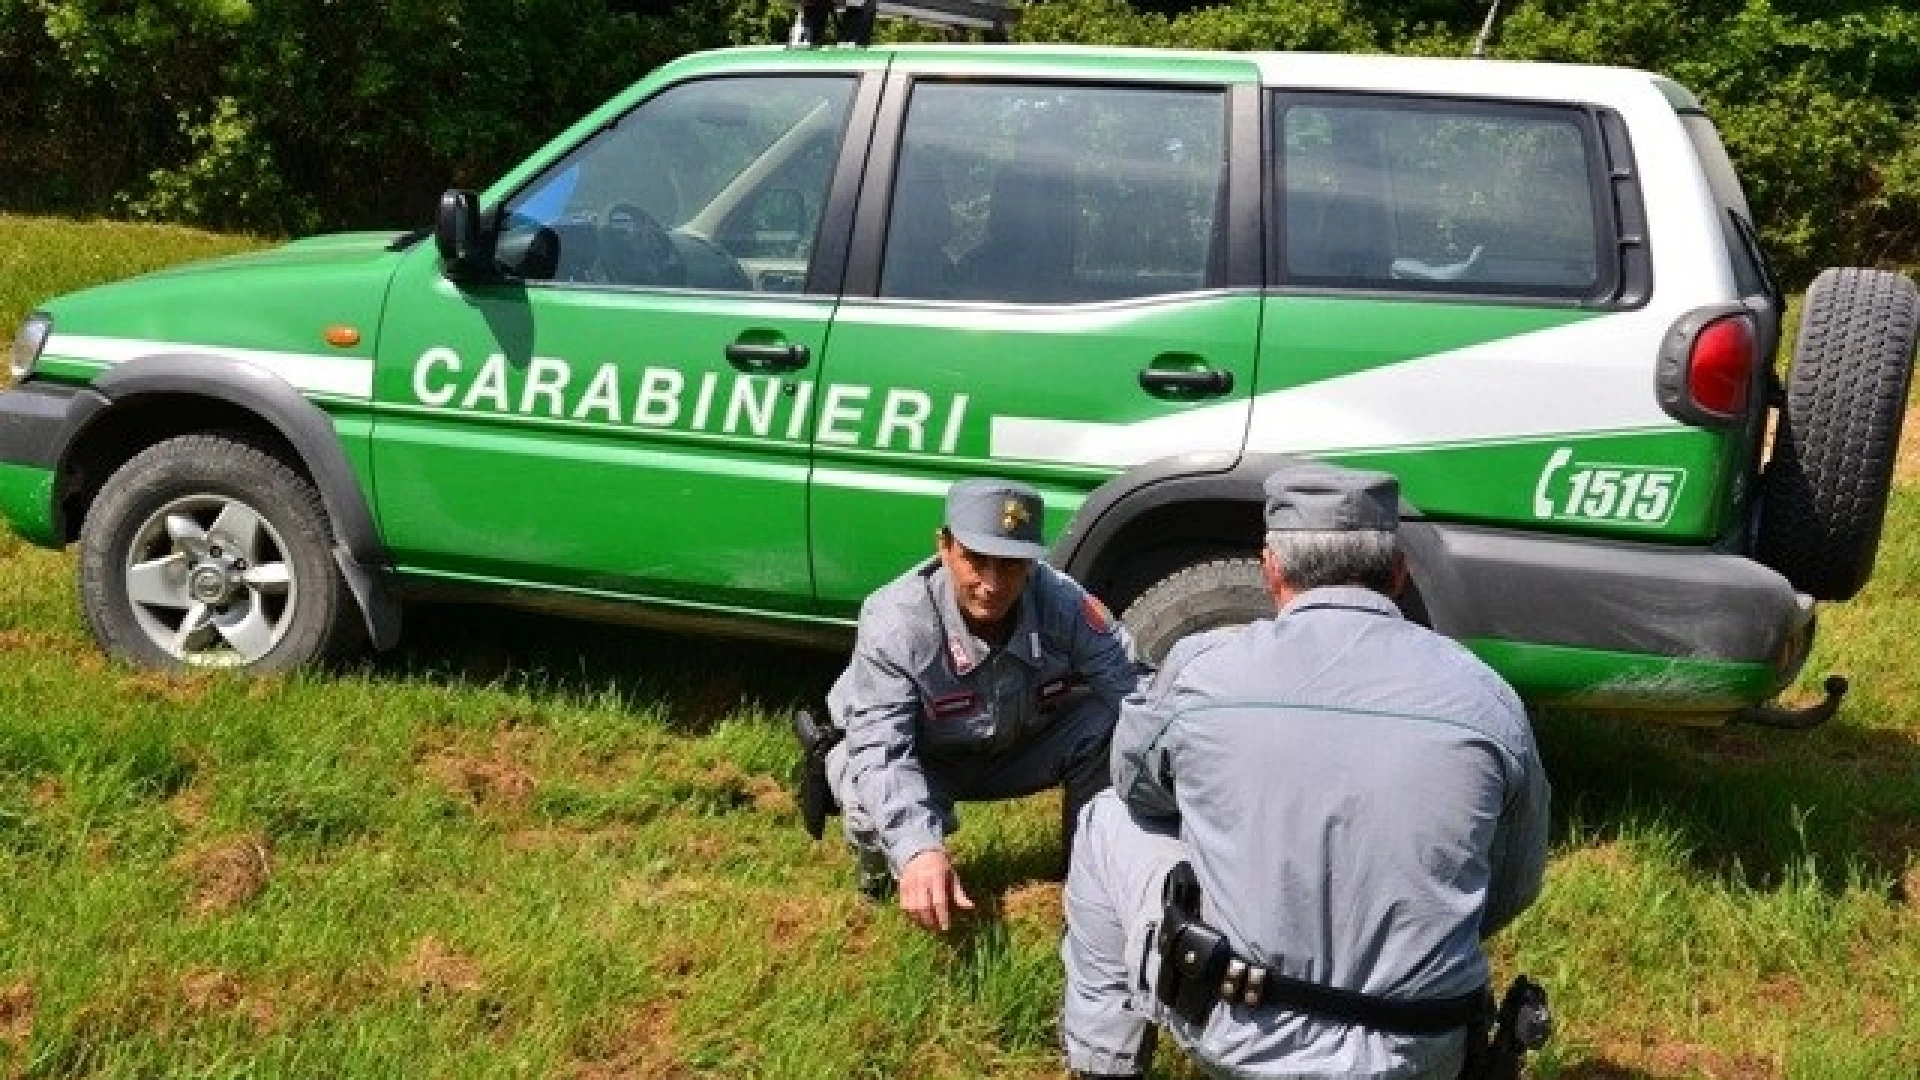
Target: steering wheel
<point>635,250</point>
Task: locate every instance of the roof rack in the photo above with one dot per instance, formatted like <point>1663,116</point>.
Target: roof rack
<point>851,21</point>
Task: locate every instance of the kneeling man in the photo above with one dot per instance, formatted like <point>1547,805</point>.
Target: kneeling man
<point>981,673</point>
<point>1315,820</point>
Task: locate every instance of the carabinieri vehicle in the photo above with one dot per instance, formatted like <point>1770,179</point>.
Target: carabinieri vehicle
<point>711,357</point>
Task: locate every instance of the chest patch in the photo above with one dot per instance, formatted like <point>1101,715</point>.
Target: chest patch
<point>952,706</point>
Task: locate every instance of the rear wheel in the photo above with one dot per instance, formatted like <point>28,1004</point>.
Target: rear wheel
<point>209,551</point>
<point>1207,596</point>
<point>1824,494</point>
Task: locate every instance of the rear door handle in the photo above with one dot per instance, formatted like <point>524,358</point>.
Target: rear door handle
<point>763,357</point>
<point>1205,381</point>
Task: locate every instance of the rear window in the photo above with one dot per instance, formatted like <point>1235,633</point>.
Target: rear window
<point>1418,195</point>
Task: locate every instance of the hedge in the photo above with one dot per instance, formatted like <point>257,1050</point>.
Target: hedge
<point>290,116</point>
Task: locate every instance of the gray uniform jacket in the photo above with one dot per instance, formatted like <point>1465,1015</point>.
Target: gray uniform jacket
<point>1362,801</point>
<point>921,687</point>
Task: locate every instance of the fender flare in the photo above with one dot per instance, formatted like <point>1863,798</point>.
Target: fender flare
<point>1084,549</point>
<point>1155,485</point>
<point>358,549</point>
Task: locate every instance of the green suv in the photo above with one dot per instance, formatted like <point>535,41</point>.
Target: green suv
<point>711,357</point>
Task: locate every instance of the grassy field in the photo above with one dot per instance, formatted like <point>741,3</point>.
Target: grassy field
<point>520,846</point>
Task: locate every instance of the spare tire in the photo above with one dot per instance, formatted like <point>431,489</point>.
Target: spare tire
<point>1824,493</point>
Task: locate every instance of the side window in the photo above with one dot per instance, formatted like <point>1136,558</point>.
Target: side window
<point>1054,194</point>
<point>1447,197</point>
<point>716,184</point>
<point>1750,270</point>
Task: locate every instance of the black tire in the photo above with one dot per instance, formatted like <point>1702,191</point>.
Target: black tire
<point>1824,493</point>
<point>1207,596</point>
<point>231,555</point>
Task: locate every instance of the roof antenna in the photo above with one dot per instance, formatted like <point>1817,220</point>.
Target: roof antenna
<point>1486,30</point>
<point>809,24</point>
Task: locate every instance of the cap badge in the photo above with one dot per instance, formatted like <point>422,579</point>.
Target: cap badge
<point>1013,515</point>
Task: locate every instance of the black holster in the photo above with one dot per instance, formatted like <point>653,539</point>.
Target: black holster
<point>1193,955</point>
<point>1500,1041</point>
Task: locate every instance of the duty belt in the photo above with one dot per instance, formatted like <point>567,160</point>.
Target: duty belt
<point>1199,969</point>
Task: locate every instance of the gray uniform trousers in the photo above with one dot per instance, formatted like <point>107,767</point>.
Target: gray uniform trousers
<point>1071,752</point>
<point>1114,882</point>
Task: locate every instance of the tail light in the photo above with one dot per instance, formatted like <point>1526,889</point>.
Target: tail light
<point>1707,366</point>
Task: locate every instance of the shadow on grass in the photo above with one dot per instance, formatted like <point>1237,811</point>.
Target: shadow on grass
<point>1756,805</point>
<point>695,682</point>
<point>1835,805</point>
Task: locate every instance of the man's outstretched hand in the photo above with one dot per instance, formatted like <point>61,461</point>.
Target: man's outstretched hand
<point>930,892</point>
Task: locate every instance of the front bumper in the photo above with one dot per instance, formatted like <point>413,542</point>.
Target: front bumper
<point>37,420</point>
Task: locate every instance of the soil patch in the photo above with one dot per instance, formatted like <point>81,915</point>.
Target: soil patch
<point>496,777</point>
<point>16,1013</point>
<point>1906,463</point>
<point>642,1050</point>
<point>433,968</point>
<point>227,874</point>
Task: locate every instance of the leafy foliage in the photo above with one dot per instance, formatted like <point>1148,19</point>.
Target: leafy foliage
<point>293,115</point>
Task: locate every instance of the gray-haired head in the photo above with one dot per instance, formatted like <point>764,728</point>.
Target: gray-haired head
<point>1330,525</point>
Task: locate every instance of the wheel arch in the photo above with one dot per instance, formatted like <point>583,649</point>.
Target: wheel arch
<point>1171,513</point>
<point>1160,515</point>
<point>149,399</point>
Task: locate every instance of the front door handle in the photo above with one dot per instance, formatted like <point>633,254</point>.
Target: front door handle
<point>1206,381</point>
<point>768,357</point>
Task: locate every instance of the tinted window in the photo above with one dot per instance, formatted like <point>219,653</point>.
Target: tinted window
<point>1054,194</point>
<point>717,184</point>
<point>1434,197</point>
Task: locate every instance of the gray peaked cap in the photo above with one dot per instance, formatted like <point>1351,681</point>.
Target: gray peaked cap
<point>1311,496</point>
<point>996,517</point>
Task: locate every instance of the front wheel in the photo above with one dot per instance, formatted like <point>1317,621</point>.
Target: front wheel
<point>1206,596</point>
<point>209,551</point>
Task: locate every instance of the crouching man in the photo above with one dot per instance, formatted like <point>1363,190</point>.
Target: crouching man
<point>1315,820</point>
<point>980,674</point>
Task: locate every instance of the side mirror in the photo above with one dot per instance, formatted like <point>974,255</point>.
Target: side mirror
<point>466,245</point>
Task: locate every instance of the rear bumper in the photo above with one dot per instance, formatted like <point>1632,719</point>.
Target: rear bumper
<point>1613,625</point>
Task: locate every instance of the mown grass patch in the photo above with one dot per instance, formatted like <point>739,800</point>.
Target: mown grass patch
<point>521,846</point>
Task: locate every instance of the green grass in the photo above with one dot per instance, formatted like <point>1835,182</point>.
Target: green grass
<point>520,846</point>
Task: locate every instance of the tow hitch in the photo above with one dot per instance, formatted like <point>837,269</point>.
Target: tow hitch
<point>1797,719</point>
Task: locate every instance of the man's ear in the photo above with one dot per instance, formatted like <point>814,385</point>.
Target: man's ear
<point>1397,582</point>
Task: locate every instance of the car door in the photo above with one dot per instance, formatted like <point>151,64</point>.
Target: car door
<point>1046,283</point>
<point>626,411</point>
